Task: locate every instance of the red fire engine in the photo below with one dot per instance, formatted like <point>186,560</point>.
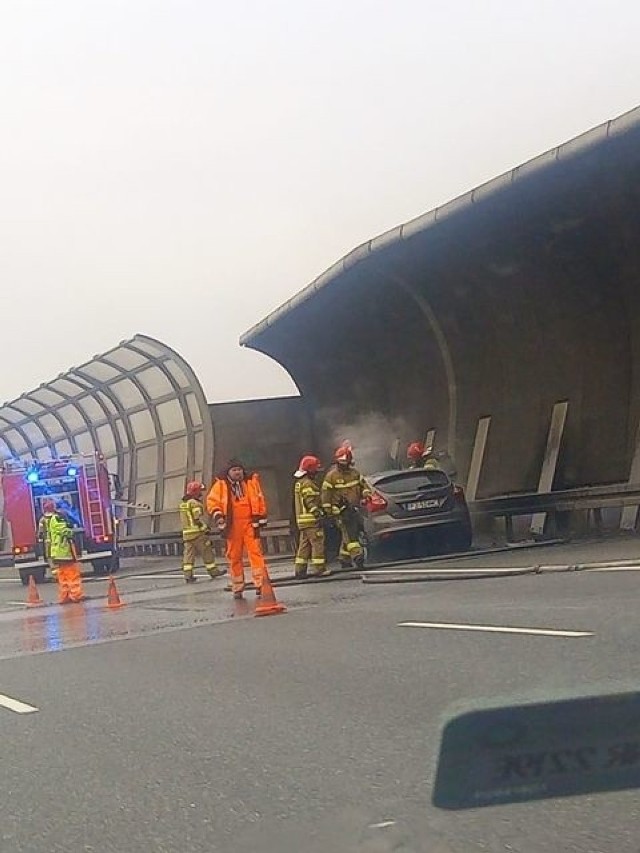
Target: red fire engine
<point>81,488</point>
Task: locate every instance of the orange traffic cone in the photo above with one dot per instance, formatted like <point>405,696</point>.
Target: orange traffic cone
<point>33,596</point>
<point>113,598</point>
<point>268,605</point>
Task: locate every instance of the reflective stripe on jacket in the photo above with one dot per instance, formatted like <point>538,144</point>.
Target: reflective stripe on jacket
<point>219,501</point>
<point>342,487</point>
<point>191,512</point>
<point>306,501</point>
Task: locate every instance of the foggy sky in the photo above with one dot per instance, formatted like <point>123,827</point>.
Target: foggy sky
<point>181,167</point>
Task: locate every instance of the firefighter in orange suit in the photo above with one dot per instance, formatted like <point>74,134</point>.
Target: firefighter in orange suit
<point>63,556</point>
<point>237,507</point>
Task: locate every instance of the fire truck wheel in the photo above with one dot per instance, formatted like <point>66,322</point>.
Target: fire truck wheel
<point>38,575</point>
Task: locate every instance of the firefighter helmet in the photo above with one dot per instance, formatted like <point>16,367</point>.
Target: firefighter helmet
<point>48,505</point>
<point>310,464</point>
<point>343,455</point>
<point>415,451</point>
<point>195,489</point>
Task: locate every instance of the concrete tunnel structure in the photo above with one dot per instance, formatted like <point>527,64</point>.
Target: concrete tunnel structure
<point>518,294</point>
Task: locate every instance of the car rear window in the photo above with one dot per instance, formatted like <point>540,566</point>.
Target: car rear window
<point>411,481</point>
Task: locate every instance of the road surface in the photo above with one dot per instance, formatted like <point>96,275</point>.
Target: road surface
<point>181,723</point>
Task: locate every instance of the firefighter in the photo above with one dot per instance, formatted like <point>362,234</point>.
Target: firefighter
<point>64,559</point>
<point>195,534</point>
<point>238,508</point>
<point>423,457</point>
<point>309,514</point>
<point>44,536</point>
<point>343,491</point>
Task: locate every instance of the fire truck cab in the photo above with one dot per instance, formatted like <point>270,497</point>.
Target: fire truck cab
<point>81,488</point>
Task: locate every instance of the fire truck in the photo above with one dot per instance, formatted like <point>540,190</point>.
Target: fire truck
<point>80,485</point>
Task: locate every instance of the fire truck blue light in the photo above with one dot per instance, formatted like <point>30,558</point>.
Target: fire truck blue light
<point>72,471</point>
<point>33,477</point>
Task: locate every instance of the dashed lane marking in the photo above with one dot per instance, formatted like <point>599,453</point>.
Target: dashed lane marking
<point>496,629</point>
<point>16,706</point>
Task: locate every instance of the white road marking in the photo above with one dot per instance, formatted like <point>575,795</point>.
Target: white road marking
<point>16,705</point>
<point>382,825</point>
<point>496,629</point>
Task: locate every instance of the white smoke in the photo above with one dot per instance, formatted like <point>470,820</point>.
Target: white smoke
<point>378,442</point>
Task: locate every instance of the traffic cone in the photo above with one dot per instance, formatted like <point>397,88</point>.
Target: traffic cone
<point>113,598</point>
<point>33,596</point>
<point>268,605</point>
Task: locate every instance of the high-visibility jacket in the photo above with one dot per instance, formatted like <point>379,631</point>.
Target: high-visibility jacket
<point>220,503</point>
<point>191,512</point>
<point>306,502</point>
<point>61,534</point>
<point>343,487</point>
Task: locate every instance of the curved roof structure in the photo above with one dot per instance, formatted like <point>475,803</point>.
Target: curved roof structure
<point>140,404</point>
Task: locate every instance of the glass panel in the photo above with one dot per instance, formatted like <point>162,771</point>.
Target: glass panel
<point>142,426</point>
<point>5,453</point>
<point>51,425</point>
<point>147,458</point>
<point>171,417</point>
<point>199,449</point>
<point>147,347</point>
<point>43,453</point>
<point>101,371</point>
<point>64,386</point>
<point>34,433</point>
<point>12,415</point>
<point>127,393</point>
<point>125,470</point>
<point>175,454</point>
<point>63,448</point>
<point>106,440</point>
<point>46,396</point>
<point>146,494</point>
<point>92,408</point>
<point>173,491</point>
<point>177,373</point>
<point>107,402</point>
<point>16,440</point>
<point>155,382</point>
<point>29,406</point>
<point>72,418</point>
<point>126,358</point>
<point>84,443</point>
<point>194,409</point>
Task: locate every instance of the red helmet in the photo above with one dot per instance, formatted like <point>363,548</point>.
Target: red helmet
<point>310,464</point>
<point>48,505</point>
<point>415,450</point>
<point>195,489</point>
<point>343,455</point>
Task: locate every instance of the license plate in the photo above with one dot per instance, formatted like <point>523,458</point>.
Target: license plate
<point>414,505</point>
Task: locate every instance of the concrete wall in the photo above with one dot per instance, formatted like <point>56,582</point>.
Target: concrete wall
<point>518,295</point>
<point>269,436</point>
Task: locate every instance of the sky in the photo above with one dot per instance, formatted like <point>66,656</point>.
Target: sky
<point>180,168</point>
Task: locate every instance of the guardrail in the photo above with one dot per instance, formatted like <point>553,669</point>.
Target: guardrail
<point>594,498</point>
